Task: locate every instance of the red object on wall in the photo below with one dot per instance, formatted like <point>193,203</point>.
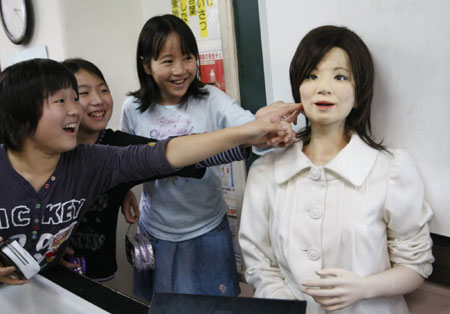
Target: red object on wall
<point>211,69</point>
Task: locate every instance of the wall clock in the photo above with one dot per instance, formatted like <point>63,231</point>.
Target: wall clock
<point>16,19</point>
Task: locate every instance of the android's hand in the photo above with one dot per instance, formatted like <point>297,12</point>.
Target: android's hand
<point>130,208</point>
<point>337,288</point>
<point>64,261</point>
<point>6,274</point>
<point>277,112</point>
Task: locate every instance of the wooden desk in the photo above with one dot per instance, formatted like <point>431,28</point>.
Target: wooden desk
<point>430,298</point>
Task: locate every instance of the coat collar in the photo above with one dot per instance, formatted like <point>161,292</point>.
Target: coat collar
<point>353,162</point>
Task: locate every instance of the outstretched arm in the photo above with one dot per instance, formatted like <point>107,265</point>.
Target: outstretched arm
<point>269,128</point>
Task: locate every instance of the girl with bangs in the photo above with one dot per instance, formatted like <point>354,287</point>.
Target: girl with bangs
<point>184,219</point>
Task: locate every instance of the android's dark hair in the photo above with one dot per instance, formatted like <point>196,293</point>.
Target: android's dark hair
<point>23,88</point>
<point>312,48</point>
<point>77,64</point>
<point>150,43</point>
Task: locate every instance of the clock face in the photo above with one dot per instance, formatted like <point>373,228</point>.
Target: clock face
<point>14,18</point>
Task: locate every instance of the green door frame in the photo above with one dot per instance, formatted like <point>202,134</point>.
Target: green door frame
<point>249,54</point>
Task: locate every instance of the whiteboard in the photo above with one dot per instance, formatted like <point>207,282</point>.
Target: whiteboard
<point>410,44</point>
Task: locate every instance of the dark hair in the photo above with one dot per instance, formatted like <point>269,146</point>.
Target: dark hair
<point>77,64</point>
<point>312,48</point>
<point>150,43</point>
<point>23,88</point>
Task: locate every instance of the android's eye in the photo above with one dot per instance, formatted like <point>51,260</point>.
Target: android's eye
<point>340,77</point>
<point>311,77</point>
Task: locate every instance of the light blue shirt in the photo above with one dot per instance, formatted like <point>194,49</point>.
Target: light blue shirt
<point>177,209</point>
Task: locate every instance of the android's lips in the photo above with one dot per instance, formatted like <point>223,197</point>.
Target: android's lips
<point>324,105</point>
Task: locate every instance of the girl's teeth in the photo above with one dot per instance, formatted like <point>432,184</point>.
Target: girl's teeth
<point>70,127</point>
<point>97,114</point>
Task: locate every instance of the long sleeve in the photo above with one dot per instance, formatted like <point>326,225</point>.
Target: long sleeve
<point>407,215</point>
<point>234,154</point>
<point>262,269</point>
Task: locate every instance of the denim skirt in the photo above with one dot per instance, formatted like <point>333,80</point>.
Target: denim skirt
<point>202,265</point>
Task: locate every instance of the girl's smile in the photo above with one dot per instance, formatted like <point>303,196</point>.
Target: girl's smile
<point>97,115</point>
<point>173,71</point>
<point>96,102</point>
<point>57,129</point>
<point>70,127</point>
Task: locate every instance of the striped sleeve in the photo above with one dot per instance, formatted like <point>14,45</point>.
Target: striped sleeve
<point>235,154</point>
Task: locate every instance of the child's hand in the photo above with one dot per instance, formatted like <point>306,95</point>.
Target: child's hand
<point>130,208</point>
<point>261,132</point>
<point>64,262</point>
<point>7,277</point>
<point>6,274</point>
<point>337,288</point>
<point>277,112</point>
<point>280,111</point>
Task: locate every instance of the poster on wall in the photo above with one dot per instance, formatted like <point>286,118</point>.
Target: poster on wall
<point>202,16</point>
<point>228,181</point>
<point>38,51</point>
<point>211,68</point>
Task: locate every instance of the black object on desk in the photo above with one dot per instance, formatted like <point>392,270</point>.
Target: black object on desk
<point>94,292</point>
<point>167,303</point>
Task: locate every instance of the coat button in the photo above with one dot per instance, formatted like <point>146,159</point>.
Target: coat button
<point>314,174</point>
<point>315,213</point>
<point>313,254</point>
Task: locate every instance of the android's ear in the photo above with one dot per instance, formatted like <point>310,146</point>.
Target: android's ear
<point>146,66</point>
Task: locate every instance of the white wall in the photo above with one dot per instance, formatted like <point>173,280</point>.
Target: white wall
<point>409,43</point>
<point>47,32</point>
<point>104,32</point>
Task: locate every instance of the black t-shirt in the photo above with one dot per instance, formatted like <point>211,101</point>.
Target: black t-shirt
<point>95,236</point>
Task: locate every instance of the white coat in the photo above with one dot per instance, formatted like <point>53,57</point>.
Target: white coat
<point>364,211</point>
